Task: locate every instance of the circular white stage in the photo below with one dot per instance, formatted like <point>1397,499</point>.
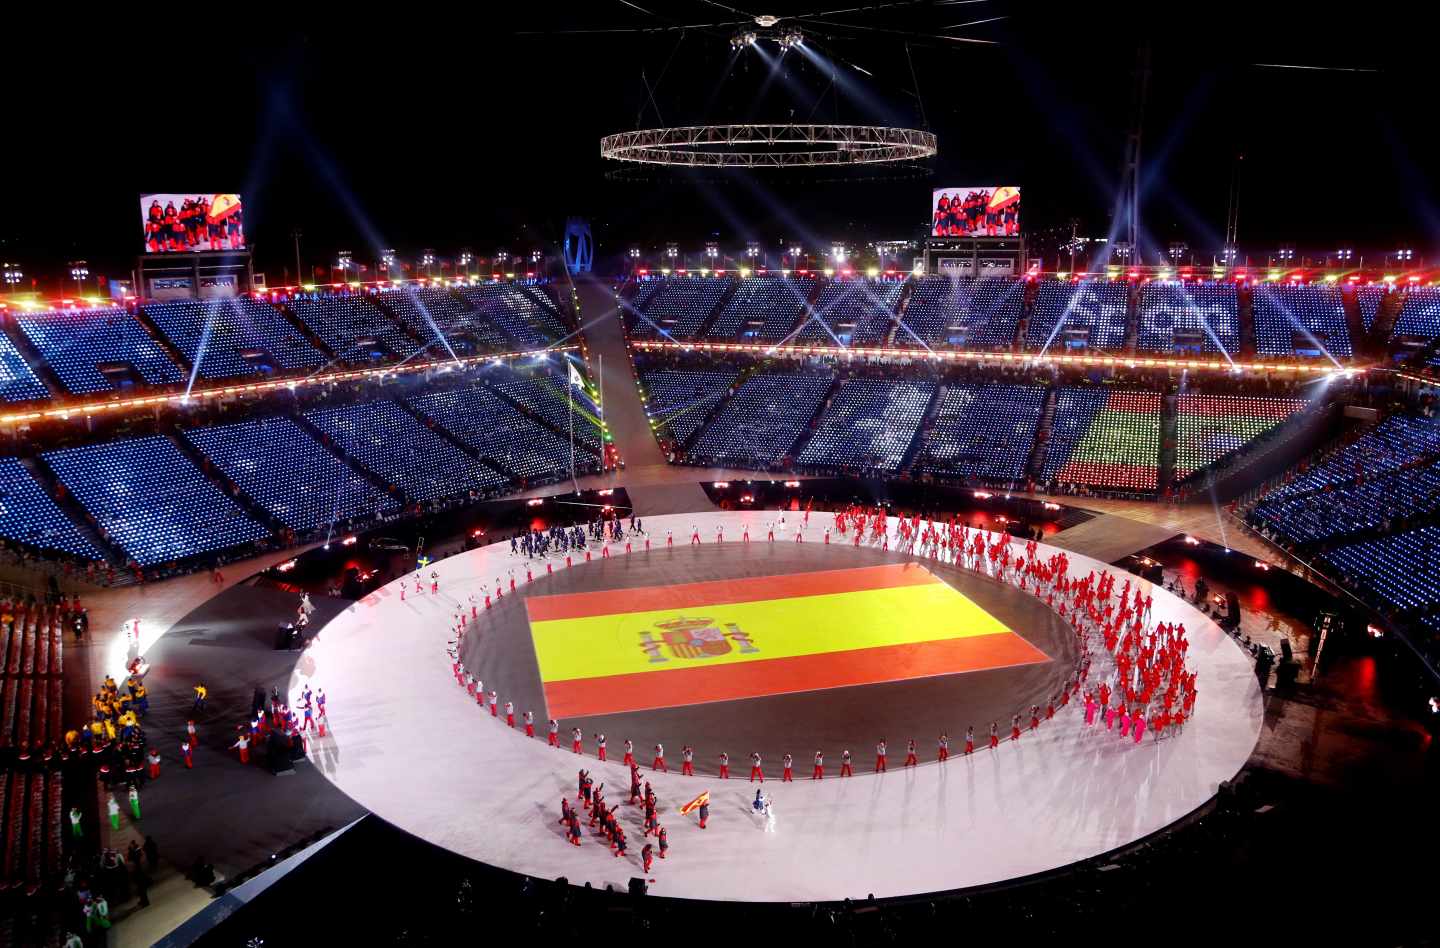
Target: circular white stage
<point>413,748</point>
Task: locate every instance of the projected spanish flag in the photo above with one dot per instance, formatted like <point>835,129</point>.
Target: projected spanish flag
<point>666,646</point>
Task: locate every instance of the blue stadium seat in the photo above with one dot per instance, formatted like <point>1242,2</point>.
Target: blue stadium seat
<point>984,431</point>
<point>386,439</point>
<point>77,342</point>
<point>677,307</point>
<point>354,328</point>
<point>1189,317</point>
<point>760,424</point>
<point>870,423</point>
<point>285,470</point>
<point>237,336</point>
<point>962,312</point>
<point>151,501</point>
<point>18,382</point>
<point>1300,319</point>
<point>28,515</point>
<point>678,400</point>
<point>762,309</point>
<point>501,434</point>
<point>1091,314</point>
<point>853,312</point>
<point>429,310</point>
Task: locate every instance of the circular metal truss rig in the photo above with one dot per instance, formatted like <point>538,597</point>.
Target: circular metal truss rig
<point>769,146</point>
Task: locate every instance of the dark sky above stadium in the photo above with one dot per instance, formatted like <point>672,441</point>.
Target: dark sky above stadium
<point>479,128</point>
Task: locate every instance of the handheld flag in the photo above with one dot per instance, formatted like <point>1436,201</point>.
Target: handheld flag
<point>696,803</point>
<point>575,378</point>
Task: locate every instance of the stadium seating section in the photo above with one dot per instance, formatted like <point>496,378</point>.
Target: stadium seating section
<point>1300,319</point>
<point>1368,299</point>
<point>18,382</point>
<point>678,307</point>
<point>679,400</point>
<point>1094,314</point>
<point>984,432</point>
<point>1212,427</point>
<point>28,515</point>
<point>854,312</point>
<point>1388,474</point>
<point>502,435</point>
<point>391,442</point>
<point>869,423</point>
<point>1104,438</point>
<point>762,309</point>
<point>31,705</point>
<point>233,337</point>
<point>526,314</point>
<point>354,328</point>
<point>151,501</point>
<point>285,470</point>
<point>1186,315</point>
<point>76,343</point>
<point>762,421</point>
<point>545,397</point>
<point>1401,571</point>
<point>428,309</point>
<point>1419,314</point>
<point>950,311</point>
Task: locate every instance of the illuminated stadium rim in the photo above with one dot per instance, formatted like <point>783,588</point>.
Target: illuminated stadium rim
<point>84,409</point>
<point>966,355</point>
<point>714,146</point>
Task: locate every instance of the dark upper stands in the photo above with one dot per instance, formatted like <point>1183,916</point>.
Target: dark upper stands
<point>761,422</point>
<point>502,435</point>
<point>18,382</point>
<point>354,328</point>
<point>28,515</point>
<point>677,307</point>
<point>762,309</point>
<point>679,400</point>
<point>854,312</point>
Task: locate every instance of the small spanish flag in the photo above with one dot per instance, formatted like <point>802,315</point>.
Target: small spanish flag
<point>696,803</point>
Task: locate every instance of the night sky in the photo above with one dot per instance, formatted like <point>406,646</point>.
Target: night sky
<point>462,130</point>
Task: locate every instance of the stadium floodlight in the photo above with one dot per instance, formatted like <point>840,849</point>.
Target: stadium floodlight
<point>1286,253</point>
<point>1404,255</point>
<point>79,272</point>
<point>712,249</point>
<point>1228,254</point>
<point>13,275</point>
<point>752,250</point>
<point>1345,254</point>
<point>837,253</point>
<point>791,39</point>
<point>672,251</point>
<point>634,253</point>
<point>387,259</point>
<point>535,256</point>
<point>1178,250</point>
<point>743,39</point>
<point>427,260</point>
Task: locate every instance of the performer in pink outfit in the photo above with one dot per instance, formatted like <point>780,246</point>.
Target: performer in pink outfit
<point>1089,709</point>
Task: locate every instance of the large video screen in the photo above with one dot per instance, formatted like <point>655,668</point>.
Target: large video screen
<point>179,223</point>
<point>988,211</point>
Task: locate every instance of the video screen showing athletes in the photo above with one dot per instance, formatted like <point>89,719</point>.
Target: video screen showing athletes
<point>177,223</point>
<point>989,211</point>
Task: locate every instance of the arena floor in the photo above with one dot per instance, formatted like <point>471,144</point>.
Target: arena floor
<point>411,746</point>
<point>828,648</point>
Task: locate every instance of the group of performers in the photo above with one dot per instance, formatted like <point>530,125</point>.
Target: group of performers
<point>194,225</point>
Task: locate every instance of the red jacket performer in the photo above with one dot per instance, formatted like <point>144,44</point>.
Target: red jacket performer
<point>647,856</point>
<point>787,763</point>
<point>970,739</point>
<point>880,757</point>
<point>910,759</point>
<point>659,763</point>
<point>154,759</point>
<point>188,752</point>
<point>529,723</point>
<point>576,738</point>
<point>494,705</point>
<point>687,761</point>
<point>755,771</point>
<point>600,746</point>
<point>994,734</point>
<point>845,770</point>
<point>554,733</point>
<point>943,752</point>
<point>724,766</point>
<point>629,760</point>
<point>819,772</point>
<point>509,714</point>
